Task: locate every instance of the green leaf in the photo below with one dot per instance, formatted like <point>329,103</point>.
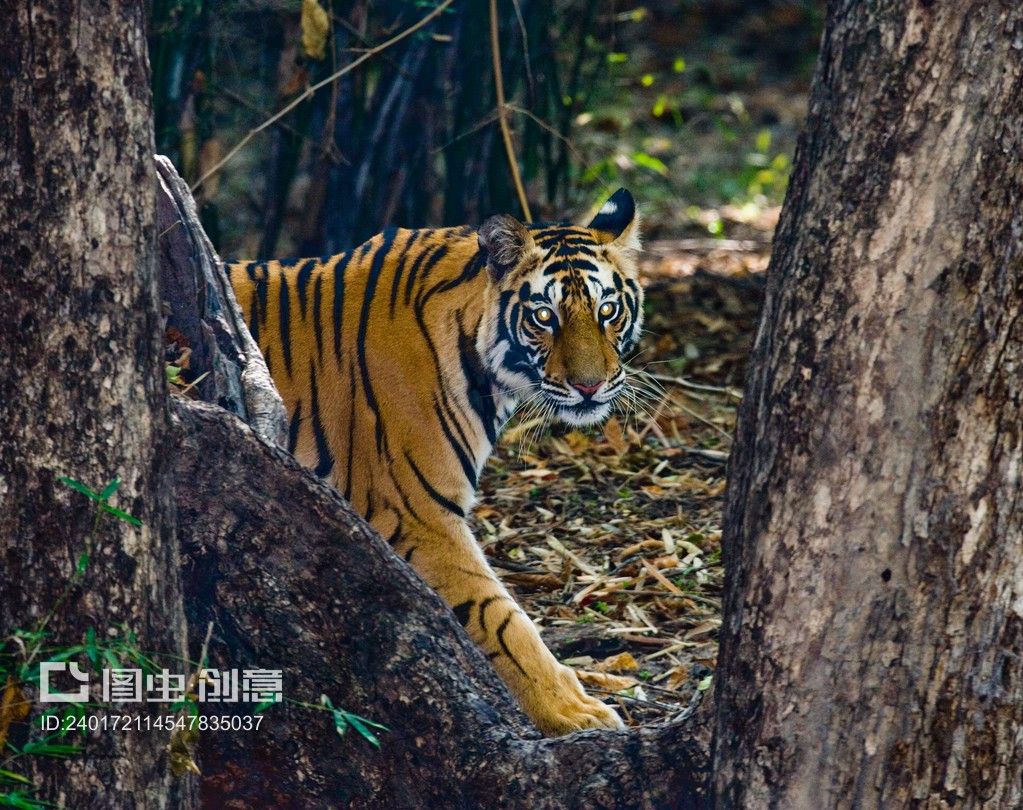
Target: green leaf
<point>704,684</point>
<point>356,722</point>
<point>111,488</point>
<point>172,372</point>
<point>22,801</point>
<point>343,719</point>
<point>29,673</point>
<point>78,486</point>
<point>113,510</point>
<point>340,724</point>
<point>367,721</point>
<point>68,652</point>
<point>83,563</point>
<point>113,662</point>
<point>262,707</point>
<point>91,650</point>
<point>44,749</point>
<point>73,710</point>
<point>11,776</point>
<point>649,162</point>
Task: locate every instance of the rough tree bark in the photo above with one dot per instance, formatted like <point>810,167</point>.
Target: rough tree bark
<point>871,652</point>
<point>225,364</point>
<point>81,375</point>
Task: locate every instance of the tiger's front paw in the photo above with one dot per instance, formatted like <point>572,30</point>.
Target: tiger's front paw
<point>566,707</point>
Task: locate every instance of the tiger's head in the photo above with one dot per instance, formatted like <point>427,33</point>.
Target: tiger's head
<point>568,308</point>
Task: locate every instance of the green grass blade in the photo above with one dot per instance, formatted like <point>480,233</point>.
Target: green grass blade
<point>111,488</point>
<point>356,722</point>
<point>113,510</point>
<point>78,486</point>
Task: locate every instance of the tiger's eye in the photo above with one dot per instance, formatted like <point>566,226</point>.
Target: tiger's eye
<point>543,315</point>
<point>607,309</point>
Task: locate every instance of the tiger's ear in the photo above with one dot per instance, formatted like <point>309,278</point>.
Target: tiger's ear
<point>618,219</point>
<point>505,241</point>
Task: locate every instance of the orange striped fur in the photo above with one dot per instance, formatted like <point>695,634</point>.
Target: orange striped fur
<point>400,361</point>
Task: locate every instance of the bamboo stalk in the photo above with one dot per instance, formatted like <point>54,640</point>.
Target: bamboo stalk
<point>502,114</point>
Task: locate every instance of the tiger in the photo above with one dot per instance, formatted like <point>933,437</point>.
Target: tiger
<point>401,360</point>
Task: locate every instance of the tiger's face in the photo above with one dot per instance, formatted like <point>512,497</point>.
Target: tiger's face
<point>568,308</point>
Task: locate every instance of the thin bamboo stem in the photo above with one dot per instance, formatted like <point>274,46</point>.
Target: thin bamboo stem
<point>502,114</point>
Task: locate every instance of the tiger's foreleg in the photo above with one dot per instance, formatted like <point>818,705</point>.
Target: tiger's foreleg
<point>453,564</point>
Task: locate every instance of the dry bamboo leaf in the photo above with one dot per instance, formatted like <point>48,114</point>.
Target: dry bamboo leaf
<point>577,441</point>
<point>315,28</point>
<point>677,677</point>
<point>14,706</point>
<point>537,472</point>
<point>548,582</point>
<point>180,752</point>
<point>628,551</point>
<point>574,558</point>
<point>516,432</point>
<point>615,436</point>
<point>638,615</point>
<point>690,548</point>
<point>623,662</point>
<point>704,627</point>
<point>593,586</point>
<point>602,680</point>
<point>665,582</point>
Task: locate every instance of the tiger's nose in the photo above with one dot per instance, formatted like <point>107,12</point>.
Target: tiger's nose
<point>586,387</point>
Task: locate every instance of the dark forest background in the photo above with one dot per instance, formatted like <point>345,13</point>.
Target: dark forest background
<point>692,104</point>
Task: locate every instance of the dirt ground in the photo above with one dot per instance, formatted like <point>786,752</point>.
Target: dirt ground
<point>611,538</point>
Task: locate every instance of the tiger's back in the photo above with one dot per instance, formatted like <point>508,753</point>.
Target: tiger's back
<point>356,349</point>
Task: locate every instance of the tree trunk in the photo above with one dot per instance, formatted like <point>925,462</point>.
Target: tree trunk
<point>871,650</point>
<point>81,377</point>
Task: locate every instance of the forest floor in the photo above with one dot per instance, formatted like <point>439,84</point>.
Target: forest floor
<point>611,537</point>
